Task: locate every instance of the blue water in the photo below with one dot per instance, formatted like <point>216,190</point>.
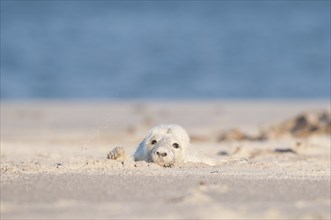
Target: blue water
<point>165,49</point>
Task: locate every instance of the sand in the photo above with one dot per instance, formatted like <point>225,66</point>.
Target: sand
<point>54,162</point>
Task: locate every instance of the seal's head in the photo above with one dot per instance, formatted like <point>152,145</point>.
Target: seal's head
<point>164,145</point>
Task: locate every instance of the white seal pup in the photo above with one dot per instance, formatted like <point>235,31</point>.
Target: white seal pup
<point>166,145</point>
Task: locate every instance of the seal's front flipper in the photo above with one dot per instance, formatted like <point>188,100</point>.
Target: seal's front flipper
<point>118,153</point>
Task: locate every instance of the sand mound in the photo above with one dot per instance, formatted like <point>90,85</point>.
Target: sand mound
<point>302,126</point>
<point>238,135</point>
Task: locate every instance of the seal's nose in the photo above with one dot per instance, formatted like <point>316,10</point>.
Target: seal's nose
<point>161,154</point>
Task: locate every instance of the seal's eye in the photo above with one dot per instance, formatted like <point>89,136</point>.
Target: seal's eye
<point>175,145</point>
<point>153,142</point>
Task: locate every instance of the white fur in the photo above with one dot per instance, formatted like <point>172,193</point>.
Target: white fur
<point>166,135</point>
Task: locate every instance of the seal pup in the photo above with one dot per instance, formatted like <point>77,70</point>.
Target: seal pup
<point>167,145</point>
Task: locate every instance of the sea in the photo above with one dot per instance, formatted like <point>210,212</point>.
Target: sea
<point>186,49</point>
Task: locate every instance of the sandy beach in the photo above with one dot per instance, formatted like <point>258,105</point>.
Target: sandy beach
<point>54,166</point>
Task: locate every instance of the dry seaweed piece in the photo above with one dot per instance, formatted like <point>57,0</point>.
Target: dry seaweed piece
<point>223,153</point>
<point>284,150</point>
